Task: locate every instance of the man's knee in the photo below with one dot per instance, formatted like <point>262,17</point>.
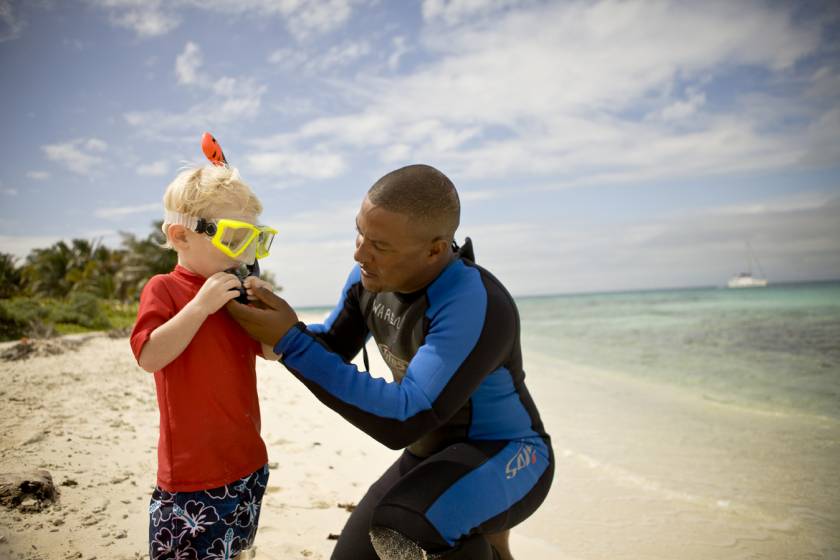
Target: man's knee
<point>409,524</point>
<point>392,545</point>
<point>399,533</point>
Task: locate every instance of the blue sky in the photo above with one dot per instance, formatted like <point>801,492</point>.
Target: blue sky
<point>595,145</point>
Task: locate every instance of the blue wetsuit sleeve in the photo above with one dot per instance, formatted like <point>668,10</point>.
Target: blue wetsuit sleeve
<point>344,331</point>
<point>462,346</point>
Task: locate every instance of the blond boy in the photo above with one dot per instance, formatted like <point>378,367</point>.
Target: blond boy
<point>212,462</point>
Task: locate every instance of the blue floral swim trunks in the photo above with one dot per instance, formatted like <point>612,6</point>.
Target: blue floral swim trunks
<point>208,524</point>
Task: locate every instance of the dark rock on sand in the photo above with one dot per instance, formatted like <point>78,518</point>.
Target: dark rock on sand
<point>27,492</point>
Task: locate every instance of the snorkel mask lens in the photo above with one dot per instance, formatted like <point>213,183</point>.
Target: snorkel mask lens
<point>234,238</point>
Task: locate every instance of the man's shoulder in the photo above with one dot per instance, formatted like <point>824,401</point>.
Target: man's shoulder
<point>471,287</point>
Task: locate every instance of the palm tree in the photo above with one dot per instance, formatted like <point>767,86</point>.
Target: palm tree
<point>45,271</point>
<point>10,278</point>
<point>142,259</point>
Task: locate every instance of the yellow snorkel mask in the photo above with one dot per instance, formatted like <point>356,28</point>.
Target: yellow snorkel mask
<point>239,240</point>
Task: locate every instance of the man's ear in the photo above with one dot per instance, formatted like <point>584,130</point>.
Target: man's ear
<point>177,235</point>
<point>439,246</point>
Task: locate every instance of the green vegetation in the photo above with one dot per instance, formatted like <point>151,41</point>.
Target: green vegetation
<point>78,287</point>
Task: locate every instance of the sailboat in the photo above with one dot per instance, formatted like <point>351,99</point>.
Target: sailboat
<point>746,279</point>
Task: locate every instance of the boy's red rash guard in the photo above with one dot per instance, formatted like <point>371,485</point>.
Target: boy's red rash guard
<point>207,396</point>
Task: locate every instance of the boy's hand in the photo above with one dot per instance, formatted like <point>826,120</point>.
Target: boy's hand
<point>216,291</point>
<point>269,323</point>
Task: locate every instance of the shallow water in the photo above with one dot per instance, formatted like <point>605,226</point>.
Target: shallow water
<point>776,348</point>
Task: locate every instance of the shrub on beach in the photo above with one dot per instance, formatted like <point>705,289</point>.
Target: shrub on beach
<point>21,317</point>
<point>81,309</point>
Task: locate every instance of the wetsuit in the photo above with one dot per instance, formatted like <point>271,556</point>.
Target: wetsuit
<point>478,459</point>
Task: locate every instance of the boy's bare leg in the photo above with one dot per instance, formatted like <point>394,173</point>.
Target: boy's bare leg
<point>501,542</point>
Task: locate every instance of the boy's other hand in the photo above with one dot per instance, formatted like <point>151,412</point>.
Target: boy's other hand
<point>268,323</point>
<point>215,292</point>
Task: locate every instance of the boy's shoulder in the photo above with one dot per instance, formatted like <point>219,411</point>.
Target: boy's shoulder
<point>159,280</point>
<point>158,286</point>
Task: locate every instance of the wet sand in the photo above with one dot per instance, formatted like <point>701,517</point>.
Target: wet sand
<point>643,472</point>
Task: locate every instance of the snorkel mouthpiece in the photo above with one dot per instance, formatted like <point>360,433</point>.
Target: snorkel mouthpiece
<point>242,272</point>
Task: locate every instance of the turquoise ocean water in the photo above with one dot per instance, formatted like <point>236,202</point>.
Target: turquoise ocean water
<point>775,348</point>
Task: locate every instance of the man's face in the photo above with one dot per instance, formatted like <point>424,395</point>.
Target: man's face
<point>394,256</point>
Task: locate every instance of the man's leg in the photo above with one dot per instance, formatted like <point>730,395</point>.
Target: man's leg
<point>354,542</point>
<point>501,544</point>
<point>444,506</point>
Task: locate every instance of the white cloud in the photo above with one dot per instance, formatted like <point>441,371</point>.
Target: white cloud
<point>21,246</point>
<point>188,63</point>
<point>153,169</point>
<point>8,191</point>
<point>303,19</point>
<point>400,48</point>
<point>11,25</point>
<point>683,108</point>
<point>792,203</point>
<point>95,145</point>
<point>306,165</point>
<point>147,18</point>
<point>118,213</point>
<point>610,91</point>
<point>228,99</point>
<point>38,175</point>
<point>456,11</point>
<point>317,62</point>
<point>794,238</point>
<point>76,154</point>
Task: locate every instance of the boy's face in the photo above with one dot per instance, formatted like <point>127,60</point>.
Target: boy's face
<point>199,254</point>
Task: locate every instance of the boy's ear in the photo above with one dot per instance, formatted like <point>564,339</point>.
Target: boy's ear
<point>177,235</point>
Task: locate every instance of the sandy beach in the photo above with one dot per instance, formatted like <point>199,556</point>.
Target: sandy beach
<point>642,471</point>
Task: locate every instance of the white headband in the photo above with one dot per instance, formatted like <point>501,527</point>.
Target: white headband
<point>176,218</point>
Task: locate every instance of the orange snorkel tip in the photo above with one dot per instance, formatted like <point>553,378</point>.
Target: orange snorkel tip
<point>212,150</point>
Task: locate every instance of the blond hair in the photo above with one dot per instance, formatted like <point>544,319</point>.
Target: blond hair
<point>204,192</point>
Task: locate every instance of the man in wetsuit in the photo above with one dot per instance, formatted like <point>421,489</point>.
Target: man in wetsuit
<point>477,460</point>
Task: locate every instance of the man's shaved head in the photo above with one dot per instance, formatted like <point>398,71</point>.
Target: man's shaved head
<point>424,194</point>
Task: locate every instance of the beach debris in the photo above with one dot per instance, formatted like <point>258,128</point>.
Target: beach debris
<point>119,333</point>
<point>333,537</point>
<point>349,506</point>
<point>38,347</point>
<point>27,492</point>
<point>33,437</point>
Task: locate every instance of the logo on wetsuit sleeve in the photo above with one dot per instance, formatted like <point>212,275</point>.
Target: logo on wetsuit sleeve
<point>525,456</point>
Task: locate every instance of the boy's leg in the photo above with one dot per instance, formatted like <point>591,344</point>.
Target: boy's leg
<point>217,522</point>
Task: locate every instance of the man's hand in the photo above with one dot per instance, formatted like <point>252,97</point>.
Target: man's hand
<point>267,324</point>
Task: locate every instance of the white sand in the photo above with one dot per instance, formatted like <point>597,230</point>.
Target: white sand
<point>642,472</point>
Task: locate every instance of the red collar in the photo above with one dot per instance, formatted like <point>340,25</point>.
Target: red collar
<point>187,275</point>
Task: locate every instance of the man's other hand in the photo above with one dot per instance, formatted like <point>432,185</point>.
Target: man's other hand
<point>268,322</point>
